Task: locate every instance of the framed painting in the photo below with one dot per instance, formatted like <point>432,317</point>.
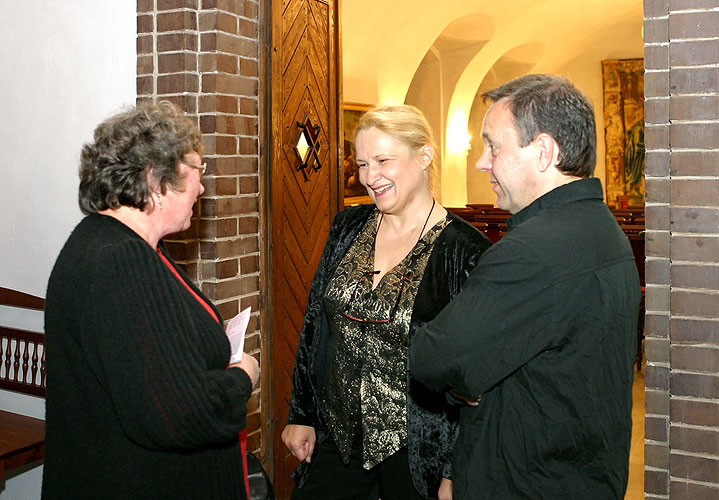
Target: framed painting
<point>354,192</point>
<point>623,85</point>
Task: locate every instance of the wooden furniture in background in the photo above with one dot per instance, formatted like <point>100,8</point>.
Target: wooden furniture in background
<point>490,220</point>
<point>631,221</point>
<point>22,369</point>
<point>22,440</point>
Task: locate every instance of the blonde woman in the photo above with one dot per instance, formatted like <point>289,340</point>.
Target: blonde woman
<point>357,422</point>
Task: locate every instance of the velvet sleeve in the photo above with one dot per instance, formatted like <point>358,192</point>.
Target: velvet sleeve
<point>161,357</point>
<point>303,405</point>
<point>302,410</point>
<point>432,421</point>
<point>309,357</point>
<point>455,254</point>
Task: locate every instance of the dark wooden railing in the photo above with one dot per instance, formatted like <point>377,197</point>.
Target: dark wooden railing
<point>22,369</point>
<point>23,361</point>
<point>488,219</point>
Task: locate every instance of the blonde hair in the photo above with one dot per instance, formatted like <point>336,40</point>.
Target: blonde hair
<point>403,122</point>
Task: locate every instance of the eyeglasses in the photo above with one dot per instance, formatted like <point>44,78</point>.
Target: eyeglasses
<point>201,168</point>
<point>392,311</point>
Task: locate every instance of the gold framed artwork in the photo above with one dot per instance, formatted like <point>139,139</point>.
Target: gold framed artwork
<point>354,192</point>
<point>623,85</point>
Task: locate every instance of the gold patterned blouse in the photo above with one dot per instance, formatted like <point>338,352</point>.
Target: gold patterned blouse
<point>365,394</point>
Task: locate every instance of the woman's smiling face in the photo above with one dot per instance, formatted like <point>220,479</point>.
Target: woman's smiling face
<point>388,170</point>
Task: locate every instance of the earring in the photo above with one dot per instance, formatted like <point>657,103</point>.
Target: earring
<point>159,201</point>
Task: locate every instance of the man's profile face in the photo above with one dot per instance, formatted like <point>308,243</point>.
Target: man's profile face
<point>510,167</point>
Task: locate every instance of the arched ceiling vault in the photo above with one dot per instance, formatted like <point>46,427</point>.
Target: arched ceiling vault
<point>385,42</point>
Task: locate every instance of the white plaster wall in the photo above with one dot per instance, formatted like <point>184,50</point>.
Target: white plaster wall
<point>67,65</point>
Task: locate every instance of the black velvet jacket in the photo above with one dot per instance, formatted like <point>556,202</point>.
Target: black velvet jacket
<point>431,421</point>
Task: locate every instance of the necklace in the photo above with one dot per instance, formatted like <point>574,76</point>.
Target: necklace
<point>404,276</point>
<point>424,226</point>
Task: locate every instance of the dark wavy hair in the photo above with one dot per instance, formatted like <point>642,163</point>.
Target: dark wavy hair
<point>553,105</point>
<point>150,137</point>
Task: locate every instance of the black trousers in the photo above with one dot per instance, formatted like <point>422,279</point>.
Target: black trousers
<point>330,479</point>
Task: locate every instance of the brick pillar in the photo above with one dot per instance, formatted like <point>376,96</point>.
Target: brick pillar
<point>657,209</point>
<point>203,55</point>
<point>682,245</point>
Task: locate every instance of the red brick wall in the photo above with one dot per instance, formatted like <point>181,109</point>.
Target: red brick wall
<point>204,56</point>
<point>682,246</point>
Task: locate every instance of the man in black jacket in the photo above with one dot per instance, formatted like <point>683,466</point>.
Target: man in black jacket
<point>540,343</point>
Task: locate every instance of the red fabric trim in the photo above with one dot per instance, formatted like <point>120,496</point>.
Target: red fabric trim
<point>243,432</point>
<point>189,289</point>
<point>243,449</point>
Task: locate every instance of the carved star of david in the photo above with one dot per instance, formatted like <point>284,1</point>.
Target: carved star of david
<point>306,146</point>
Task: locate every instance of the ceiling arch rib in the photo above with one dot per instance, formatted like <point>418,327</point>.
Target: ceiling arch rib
<point>531,26</point>
<point>434,80</point>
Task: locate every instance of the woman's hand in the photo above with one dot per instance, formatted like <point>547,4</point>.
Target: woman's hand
<point>251,367</point>
<point>445,489</point>
<point>300,440</point>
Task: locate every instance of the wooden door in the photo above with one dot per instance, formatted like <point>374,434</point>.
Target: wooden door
<point>305,82</point>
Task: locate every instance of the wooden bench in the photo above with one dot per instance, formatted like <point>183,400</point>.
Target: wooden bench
<point>22,369</point>
<point>490,220</point>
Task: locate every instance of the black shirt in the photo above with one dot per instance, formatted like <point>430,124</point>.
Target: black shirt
<point>545,329</point>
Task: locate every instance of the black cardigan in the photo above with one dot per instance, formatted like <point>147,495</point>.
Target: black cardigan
<point>431,421</point>
<point>140,403</point>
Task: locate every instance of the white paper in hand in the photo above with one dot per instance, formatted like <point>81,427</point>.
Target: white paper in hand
<point>236,329</point>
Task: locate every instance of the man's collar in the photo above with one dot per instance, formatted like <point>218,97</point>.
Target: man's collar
<point>581,189</point>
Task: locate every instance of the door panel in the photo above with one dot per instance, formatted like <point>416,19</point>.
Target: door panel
<point>305,82</point>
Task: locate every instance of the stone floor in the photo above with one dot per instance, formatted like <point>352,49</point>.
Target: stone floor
<point>635,488</point>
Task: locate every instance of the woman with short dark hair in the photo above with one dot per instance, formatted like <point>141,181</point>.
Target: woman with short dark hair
<point>141,402</point>
<point>114,167</point>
